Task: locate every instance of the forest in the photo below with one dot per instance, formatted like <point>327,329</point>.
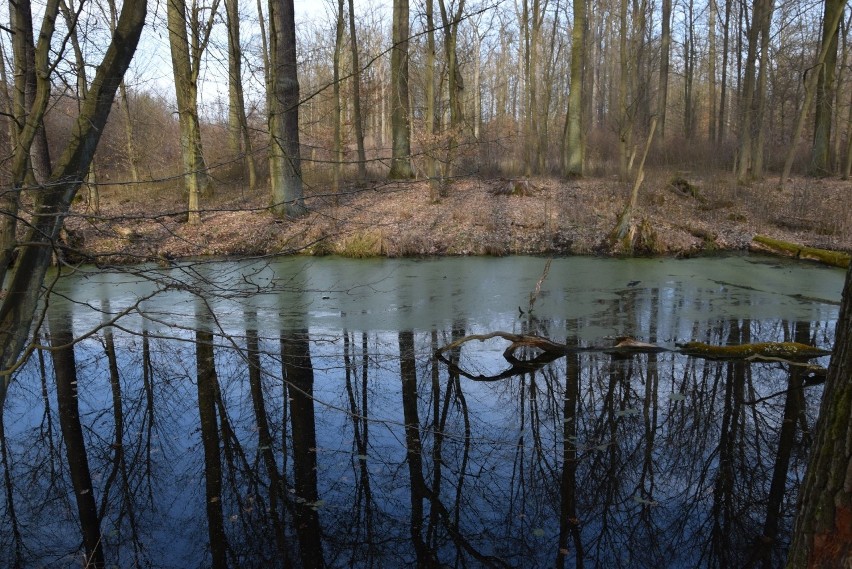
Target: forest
<point>199,117</point>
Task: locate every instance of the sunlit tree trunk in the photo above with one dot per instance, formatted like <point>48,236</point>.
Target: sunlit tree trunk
<point>822,537</point>
<point>285,164</point>
<point>186,50</point>
<point>399,97</point>
<point>357,117</point>
<point>24,58</point>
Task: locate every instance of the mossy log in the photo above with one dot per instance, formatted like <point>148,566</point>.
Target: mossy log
<point>788,249</point>
<point>791,351</point>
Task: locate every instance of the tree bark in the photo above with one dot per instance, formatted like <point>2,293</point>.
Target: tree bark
<point>357,118</point>
<point>338,127</point>
<point>285,163</point>
<point>821,149</point>
<point>823,532</point>
<point>239,138</point>
<point>574,151</point>
<point>186,51</point>
<point>399,99</point>
<point>665,49</point>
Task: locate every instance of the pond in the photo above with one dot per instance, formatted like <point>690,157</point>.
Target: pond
<point>291,412</point>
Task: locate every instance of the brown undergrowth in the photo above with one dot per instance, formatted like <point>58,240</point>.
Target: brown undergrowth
<point>477,217</point>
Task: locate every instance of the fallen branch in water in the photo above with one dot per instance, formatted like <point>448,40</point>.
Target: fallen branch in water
<point>792,353</point>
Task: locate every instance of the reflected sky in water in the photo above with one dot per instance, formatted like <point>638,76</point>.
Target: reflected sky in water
<point>308,423</point>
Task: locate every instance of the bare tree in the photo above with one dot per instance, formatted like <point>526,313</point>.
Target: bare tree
<point>285,164</point>
<point>22,284</point>
<point>187,48</point>
<point>399,99</point>
<point>357,117</point>
<point>239,138</point>
<point>574,146</point>
<point>821,149</point>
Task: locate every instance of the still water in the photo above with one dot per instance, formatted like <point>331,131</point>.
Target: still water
<point>291,413</point>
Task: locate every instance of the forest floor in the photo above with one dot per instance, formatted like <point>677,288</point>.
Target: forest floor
<point>476,217</point>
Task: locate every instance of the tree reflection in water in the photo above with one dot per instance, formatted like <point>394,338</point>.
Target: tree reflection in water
<point>356,448</point>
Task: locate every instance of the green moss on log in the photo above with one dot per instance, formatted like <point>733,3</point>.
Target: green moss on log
<point>778,350</point>
<point>833,258</point>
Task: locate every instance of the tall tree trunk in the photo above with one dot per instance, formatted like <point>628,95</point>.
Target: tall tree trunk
<point>690,58</point>
<point>665,49</point>
<point>436,185</point>
<point>399,98</point>
<point>810,79</point>
<point>357,118</point>
<point>574,147</point>
<point>748,130</point>
<point>285,164</point>
<point>823,532</point>
<point>338,127</point>
<point>26,83</point>
<point>186,51</point>
<point>726,36</point>
<point>759,141</point>
<point>450,23</point>
<point>239,138</point>
<point>821,150</point>
<point>711,71</point>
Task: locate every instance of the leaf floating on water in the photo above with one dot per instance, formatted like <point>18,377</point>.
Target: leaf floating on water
<point>640,500</point>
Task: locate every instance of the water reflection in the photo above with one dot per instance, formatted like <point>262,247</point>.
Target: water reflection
<point>285,444</point>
